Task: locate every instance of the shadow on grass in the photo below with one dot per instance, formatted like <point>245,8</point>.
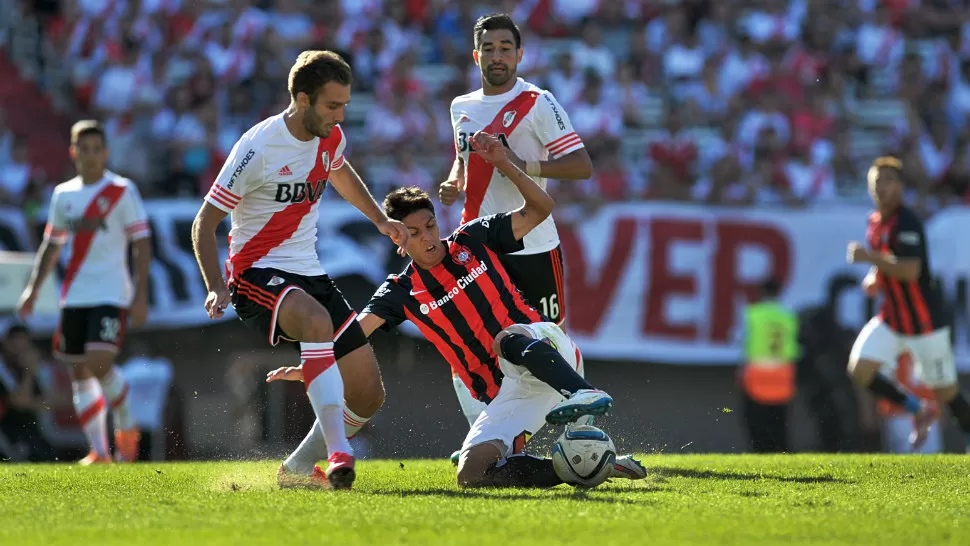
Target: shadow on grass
<point>673,472</point>
<point>601,495</point>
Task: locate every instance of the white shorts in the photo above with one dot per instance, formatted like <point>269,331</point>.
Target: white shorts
<point>932,353</point>
<point>519,410</point>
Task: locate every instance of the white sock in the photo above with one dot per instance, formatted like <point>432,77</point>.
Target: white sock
<point>325,389</point>
<point>116,392</point>
<point>353,422</point>
<point>311,450</point>
<point>90,407</point>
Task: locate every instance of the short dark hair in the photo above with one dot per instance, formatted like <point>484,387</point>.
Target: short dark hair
<point>87,127</point>
<point>402,202</point>
<point>497,21</point>
<point>313,69</point>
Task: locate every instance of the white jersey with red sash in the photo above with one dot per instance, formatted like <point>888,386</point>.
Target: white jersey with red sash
<point>96,222</point>
<point>532,124</point>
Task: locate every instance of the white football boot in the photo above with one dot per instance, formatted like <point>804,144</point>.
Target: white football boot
<point>583,402</point>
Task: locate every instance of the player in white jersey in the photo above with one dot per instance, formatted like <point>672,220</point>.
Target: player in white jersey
<point>96,214</point>
<point>541,141</point>
<point>271,183</point>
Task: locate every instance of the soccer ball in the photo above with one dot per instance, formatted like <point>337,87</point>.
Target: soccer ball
<point>583,456</point>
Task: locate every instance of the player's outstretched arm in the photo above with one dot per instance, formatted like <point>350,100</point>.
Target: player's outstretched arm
<point>349,185</point>
<point>207,255</point>
<point>538,204</point>
<point>369,322</point>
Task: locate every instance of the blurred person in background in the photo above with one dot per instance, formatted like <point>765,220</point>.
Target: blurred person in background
<point>15,176</point>
<point>21,398</point>
<point>96,214</point>
<point>767,377</point>
<point>912,317</point>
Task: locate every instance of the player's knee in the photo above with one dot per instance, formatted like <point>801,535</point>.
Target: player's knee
<point>475,462</point>
<point>80,371</point>
<point>363,388</point>
<point>509,334</point>
<point>99,362</point>
<point>862,371</point>
<point>946,393</point>
<point>303,318</point>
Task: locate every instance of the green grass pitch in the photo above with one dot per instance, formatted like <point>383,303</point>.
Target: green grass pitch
<point>704,500</point>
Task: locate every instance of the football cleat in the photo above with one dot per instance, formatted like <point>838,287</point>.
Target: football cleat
<point>292,480</point>
<point>582,403</point>
<point>922,421</point>
<point>340,473</point>
<point>629,468</point>
<point>126,445</point>
<point>455,457</point>
<point>94,458</point>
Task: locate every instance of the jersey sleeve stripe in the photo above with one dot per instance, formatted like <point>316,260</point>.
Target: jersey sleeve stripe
<point>225,194</point>
<point>139,231</point>
<point>55,235</point>
<point>337,164</point>
<point>219,202</point>
<point>559,140</point>
<point>568,146</point>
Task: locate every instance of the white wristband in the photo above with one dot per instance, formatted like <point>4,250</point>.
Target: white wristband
<point>533,168</point>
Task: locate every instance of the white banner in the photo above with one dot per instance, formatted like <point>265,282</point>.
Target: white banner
<point>654,282</point>
<point>667,283</point>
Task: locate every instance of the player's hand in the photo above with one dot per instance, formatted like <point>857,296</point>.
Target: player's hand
<point>489,147</point>
<point>216,302</point>
<point>139,311</point>
<point>398,233</point>
<point>292,373</point>
<point>448,192</point>
<point>870,285</point>
<point>26,304</point>
<point>856,253</point>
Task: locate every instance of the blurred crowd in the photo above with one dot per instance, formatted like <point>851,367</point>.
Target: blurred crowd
<point>730,101</point>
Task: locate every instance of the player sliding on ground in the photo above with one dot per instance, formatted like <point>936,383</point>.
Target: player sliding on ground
<point>541,142</point>
<point>460,296</point>
<point>271,183</point>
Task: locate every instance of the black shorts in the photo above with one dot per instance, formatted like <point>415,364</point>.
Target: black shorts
<point>541,280</point>
<point>82,329</point>
<point>257,293</point>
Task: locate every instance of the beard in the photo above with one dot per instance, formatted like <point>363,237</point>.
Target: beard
<point>501,78</point>
<point>315,125</point>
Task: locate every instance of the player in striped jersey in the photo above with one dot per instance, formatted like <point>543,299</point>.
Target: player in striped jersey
<point>541,141</point>
<point>911,317</point>
<point>458,293</point>
<point>272,183</point>
<point>96,214</point>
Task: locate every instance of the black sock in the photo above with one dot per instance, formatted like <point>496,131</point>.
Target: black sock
<point>961,410</point>
<point>884,388</point>
<point>544,361</point>
<point>522,471</point>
